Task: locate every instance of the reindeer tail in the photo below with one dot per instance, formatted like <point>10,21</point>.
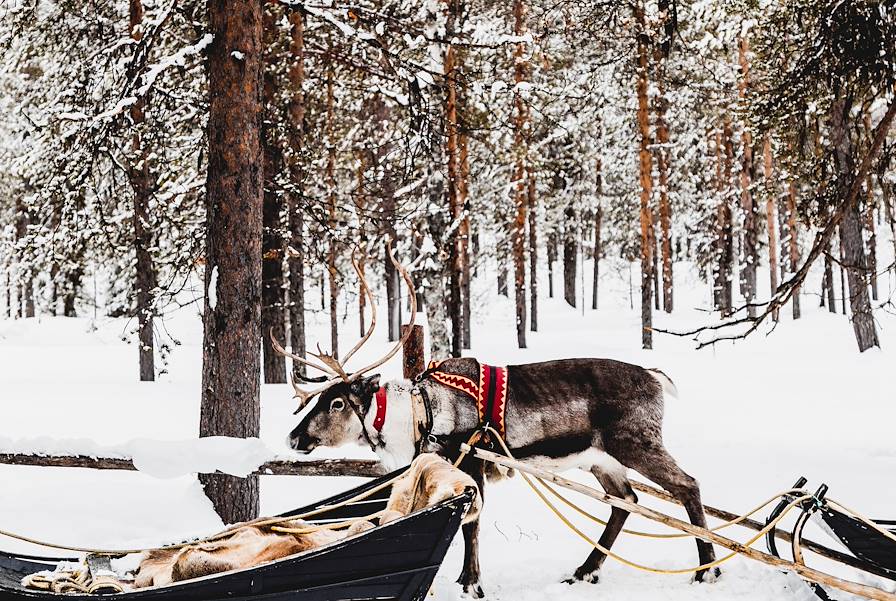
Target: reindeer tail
<point>665,381</point>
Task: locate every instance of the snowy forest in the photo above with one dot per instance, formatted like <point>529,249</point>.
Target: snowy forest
<point>206,204</point>
<point>488,140</point>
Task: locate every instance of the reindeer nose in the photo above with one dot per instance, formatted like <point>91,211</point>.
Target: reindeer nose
<point>302,442</point>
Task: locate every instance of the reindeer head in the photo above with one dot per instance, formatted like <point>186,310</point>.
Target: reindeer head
<point>337,417</point>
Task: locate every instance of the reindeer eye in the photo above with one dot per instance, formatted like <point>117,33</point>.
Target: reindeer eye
<point>337,405</point>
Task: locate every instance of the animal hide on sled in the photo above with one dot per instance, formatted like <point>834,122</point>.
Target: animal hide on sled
<point>428,481</point>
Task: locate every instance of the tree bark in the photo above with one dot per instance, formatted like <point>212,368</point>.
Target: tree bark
<point>598,217</point>
<point>234,200</point>
<point>872,237</point>
<point>851,241</point>
<point>646,177</point>
<point>771,197</point>
<point>793,243</point>
<point>455,208</point>
<point>829,281</point>
<point>552,258</point>
<point>722,289</point>
<point>296,255</point>
<point>465,239</point>
<point>141,184</point>
<point>331,205</point>
<point>519,187</point>
<point>533,251</point>
<point>665,207</point>
<point>570,256</point>
<point>750,255</point>
<point>272,292</point>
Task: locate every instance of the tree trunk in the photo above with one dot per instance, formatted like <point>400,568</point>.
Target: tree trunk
<point>296,255</point>
<point>141,184</point>
<point>646,177</point>
<point>533,251</point>
<point>872,237</point>
<point>750,255</point>
<point>552,258</point>
<point>665,208</point>
<point>234,200</point>
<point>598,217</point>
<point>725,239</point>
<point>433,273</point>
<point>465,239</point>
<point>331,206</point>
<point>829,280</point>
<point>851,229</point>
<point>570,256</point>
<point>793,244</point>
<point>519,188</point>
<point>361,206</point>
<point>455,208</point>
<point>771,192</point>
<point>272,292</point>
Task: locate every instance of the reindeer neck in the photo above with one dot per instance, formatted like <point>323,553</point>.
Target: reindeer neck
<point>394,440</point>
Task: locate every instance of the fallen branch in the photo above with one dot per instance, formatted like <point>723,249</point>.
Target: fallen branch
<point>367,468</point>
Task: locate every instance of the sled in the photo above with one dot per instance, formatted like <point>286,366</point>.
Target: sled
<point>396,561</point>
<point>874,552</point>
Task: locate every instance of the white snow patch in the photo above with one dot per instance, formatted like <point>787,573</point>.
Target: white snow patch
<point>213,289</point>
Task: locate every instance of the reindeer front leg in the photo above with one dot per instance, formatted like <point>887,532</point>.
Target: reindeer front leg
<point>469,577</point>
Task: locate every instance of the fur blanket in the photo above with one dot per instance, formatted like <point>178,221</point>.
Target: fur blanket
<point>428,481</point>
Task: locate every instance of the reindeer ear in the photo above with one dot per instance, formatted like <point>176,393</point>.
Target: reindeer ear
<point>369,386</point>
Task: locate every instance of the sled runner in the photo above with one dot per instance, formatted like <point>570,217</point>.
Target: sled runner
<point>868,542</point>
<point>395,561</point>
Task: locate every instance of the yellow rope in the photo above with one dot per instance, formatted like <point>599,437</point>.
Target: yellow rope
<point>213,537</point>
<point>334,526</point>
<point>868,522</point>
<point>722,526</point>
<point>630,563</point>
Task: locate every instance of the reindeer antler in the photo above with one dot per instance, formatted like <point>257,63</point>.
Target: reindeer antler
<point>332,366</point>
<point>410,326</point>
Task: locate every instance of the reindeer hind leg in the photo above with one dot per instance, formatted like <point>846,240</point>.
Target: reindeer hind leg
<point>658,465</point>
<point>611,475</point>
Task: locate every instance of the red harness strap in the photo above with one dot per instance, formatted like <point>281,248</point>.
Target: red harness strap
<point>380,417</point>
<point>490,393</point>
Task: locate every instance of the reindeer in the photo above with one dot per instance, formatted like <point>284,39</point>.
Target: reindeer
<point>600,415</point>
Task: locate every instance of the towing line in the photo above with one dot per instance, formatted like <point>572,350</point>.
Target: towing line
<point>793,498</point>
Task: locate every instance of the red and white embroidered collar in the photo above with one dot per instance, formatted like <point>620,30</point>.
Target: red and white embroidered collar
<point>490,393</point>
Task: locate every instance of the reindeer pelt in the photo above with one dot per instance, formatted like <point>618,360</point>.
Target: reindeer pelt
<point>428,481</point>
<point>247,546</point>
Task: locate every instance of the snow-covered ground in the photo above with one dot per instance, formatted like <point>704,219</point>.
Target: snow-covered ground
<point>751,417</point>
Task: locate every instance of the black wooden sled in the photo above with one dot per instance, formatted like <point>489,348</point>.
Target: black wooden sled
<point>874,552</point>
<point>397,561</point>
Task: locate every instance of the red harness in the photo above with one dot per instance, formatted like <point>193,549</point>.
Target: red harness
<point>490,393</point>
<point>380,417</point>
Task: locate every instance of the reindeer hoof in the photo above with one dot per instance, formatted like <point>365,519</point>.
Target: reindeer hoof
<point>584,574</point>
<point>473,590</point>
<point>708,576</point>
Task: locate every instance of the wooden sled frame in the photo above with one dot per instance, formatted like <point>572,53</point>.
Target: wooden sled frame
<point>872,551</point>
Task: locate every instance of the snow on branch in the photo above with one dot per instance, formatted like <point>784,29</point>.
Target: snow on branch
<point>178,59</point>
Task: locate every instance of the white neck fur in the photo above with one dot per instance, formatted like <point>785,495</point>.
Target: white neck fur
<point>395,442</point>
